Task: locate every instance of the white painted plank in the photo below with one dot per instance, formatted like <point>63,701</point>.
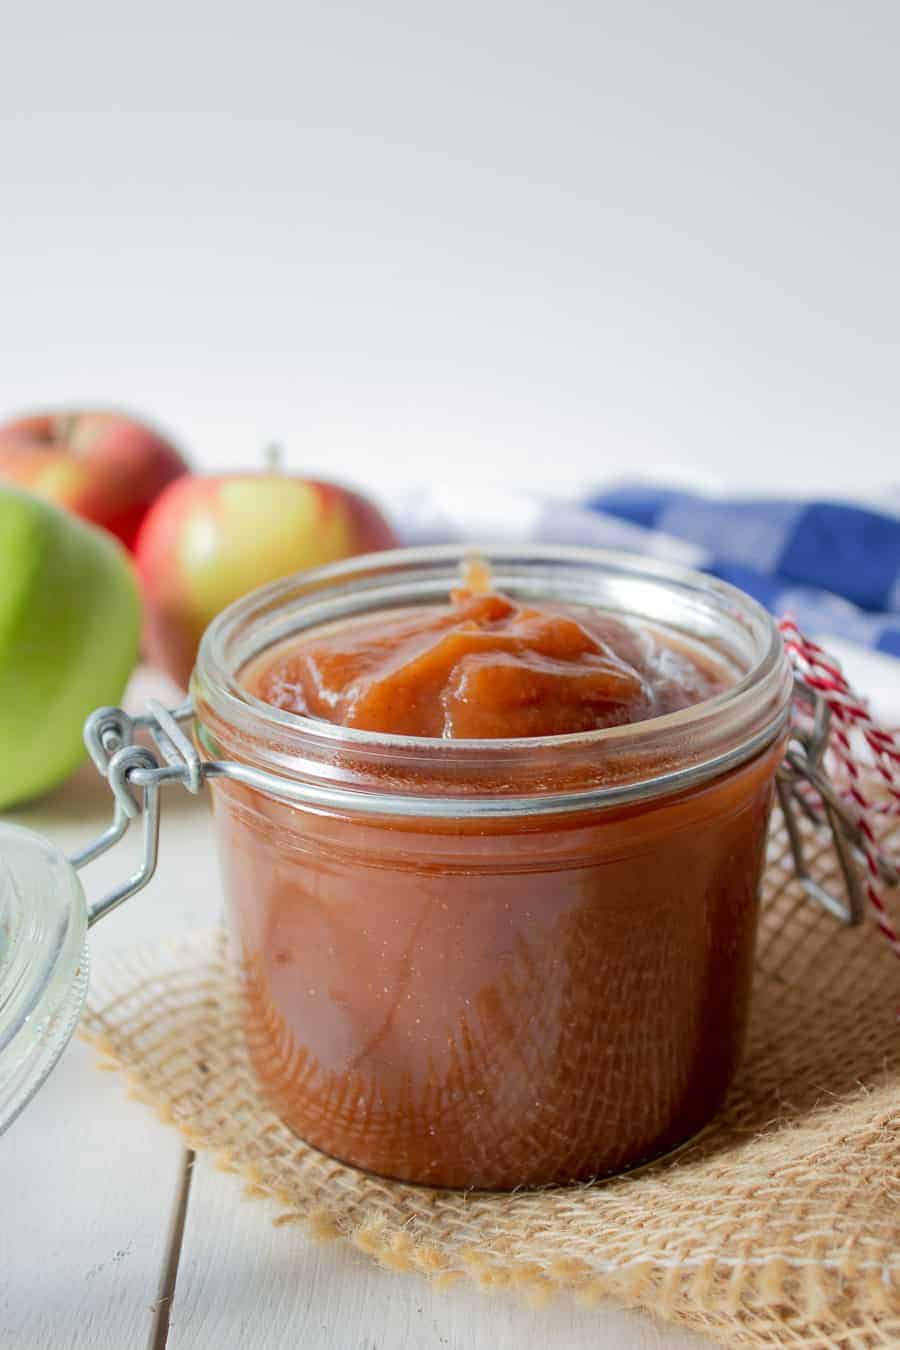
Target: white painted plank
<point>243,1282</point>
<point>89,1178</point>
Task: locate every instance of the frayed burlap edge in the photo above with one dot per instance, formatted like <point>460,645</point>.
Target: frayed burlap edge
<point>779,1226</point>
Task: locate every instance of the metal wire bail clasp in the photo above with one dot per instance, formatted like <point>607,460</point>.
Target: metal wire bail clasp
<point>803,768</point>
<point>136,775</point>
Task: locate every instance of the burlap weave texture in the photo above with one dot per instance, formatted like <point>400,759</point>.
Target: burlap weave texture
<point>779,1226</point>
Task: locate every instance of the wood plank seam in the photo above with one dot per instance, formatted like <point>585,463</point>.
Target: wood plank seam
<point>162,1309</point>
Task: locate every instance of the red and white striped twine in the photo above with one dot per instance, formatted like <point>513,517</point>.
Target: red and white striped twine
<point>880,753</point>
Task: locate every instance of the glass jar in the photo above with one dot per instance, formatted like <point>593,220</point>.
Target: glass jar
<point>506,962</point>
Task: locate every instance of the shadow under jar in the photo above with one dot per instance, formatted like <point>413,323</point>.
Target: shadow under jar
<point>505,962</point>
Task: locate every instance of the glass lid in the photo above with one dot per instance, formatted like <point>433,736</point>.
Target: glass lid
<point>43,962</point>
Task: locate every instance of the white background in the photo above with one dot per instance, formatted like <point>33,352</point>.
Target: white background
<point>416,240</point>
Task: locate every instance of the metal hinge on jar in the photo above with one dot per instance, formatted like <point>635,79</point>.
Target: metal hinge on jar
<point>804,766</point>
<point>136,775</point>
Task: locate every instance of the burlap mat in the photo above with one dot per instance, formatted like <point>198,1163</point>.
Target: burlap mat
<point>779,1226</point>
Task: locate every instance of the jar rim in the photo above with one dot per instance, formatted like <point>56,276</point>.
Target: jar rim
<point>387,576</point>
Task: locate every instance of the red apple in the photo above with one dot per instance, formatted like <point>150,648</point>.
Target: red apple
<point>104,466</point>
<point>208,541</point>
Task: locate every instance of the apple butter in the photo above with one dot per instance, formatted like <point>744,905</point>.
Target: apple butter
<point>486,667</point>
<point>501,958</point>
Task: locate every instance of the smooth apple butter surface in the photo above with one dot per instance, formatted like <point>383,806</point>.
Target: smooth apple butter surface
<point>495,1002</point>
<point>484,666</point>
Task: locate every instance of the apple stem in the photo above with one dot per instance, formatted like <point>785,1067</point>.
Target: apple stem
<point>64,425</point>
<point>273,457</point>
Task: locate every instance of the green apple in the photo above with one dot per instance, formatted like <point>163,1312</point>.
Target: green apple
<point>70,618</point>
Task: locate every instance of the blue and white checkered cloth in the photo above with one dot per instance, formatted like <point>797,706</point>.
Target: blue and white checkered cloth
<point>833,566</point>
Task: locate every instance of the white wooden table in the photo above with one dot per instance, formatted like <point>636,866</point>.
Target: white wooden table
<point>114,1236</point>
